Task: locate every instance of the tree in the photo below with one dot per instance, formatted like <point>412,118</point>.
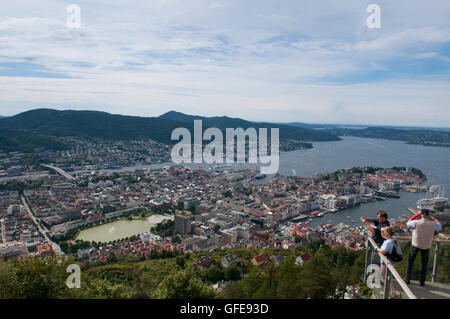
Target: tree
<point>216,228</point>
<point>227,194</point>
<point>233,291</point>
<point>215,274</point>
<point>247,287</point>
<point>112,258</point>
<point>342,277</point>
<point>103,289</point>
<point>317,277</point>
<point>42,278</point>
<point>288,280</point>
<point>232,273</point>
<point>181,261</point>
<point>9,281</point>
<point>153,254</point>
<point>184,285</point>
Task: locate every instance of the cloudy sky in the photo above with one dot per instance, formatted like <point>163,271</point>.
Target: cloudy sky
<point>266,60</point>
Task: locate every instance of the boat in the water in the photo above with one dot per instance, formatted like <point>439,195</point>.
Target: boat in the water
<point>432,200</point>
<point>391,194</point>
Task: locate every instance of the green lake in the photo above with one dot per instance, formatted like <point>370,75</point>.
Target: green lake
<point>120,229</point>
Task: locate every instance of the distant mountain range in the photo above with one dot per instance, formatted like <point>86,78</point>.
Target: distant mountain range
<point>89,124</point>
<point>36,128</point>
<point>427,137</point>
<point>328,126</point>
<point>432,136</point>
<point>287,132</point>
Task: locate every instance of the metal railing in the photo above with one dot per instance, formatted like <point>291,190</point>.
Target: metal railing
<point>394,286</point>
<point>392,279</point>
<point>438,242</point>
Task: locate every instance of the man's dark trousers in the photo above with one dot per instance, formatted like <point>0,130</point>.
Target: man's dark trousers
<point>424,254</point>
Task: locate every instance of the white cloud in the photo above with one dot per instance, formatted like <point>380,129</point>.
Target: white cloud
<point>262,60</point>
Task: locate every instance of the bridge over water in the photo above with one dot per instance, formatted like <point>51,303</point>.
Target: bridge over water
<point>61,172</point>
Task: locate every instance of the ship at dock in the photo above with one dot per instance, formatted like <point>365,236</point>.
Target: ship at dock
<point>385,194</point>
<point>433,198</point>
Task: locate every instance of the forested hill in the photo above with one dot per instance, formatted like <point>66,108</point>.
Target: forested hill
<point>222,122</point>
<point>36,127</point>
<point>90,124</point>
<point>14,140</point>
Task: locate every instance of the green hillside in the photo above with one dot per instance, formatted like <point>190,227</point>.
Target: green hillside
<point>14,140</point>
<point>90,124</point>
<point>173,276</point>
<point>36,128</point>
<point>287,132</point>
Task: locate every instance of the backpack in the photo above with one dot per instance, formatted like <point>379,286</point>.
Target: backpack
<point>396,255</point>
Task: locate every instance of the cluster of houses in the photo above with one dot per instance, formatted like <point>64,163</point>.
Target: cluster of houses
<point>19,235</point>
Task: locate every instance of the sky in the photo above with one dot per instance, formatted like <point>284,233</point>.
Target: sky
<point>265,60</point>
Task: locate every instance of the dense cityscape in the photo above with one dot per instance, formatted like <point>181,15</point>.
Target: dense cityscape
<point>211,208</point>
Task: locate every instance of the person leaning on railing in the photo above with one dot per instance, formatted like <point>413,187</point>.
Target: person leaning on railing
<point>422,238</point>
<point>379,223</point>
<point>387,246</point>
<point>386,249</point>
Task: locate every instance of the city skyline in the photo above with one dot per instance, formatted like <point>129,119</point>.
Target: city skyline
<point>265,61</point>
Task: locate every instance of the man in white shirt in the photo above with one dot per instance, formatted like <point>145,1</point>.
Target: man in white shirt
<point>422,238</point>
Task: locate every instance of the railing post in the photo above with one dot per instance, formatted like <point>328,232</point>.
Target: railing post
<point>366,264</point>
<point>387,283</point>
<point>435,263</point>
<point>389,275</point>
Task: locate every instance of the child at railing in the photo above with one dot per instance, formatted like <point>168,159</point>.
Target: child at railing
<point>387,249</point>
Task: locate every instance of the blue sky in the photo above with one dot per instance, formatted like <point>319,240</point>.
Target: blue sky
<point>266,60</point>
<point>25,69</point>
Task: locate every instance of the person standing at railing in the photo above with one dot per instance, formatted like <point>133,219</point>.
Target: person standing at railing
<point>379,223</point>
<point>387,249</point>
<point>422,238</point>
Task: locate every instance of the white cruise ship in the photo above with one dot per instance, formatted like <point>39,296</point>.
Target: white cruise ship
<point>430,201</point>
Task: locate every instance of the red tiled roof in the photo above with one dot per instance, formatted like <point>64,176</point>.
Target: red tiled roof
<point>305,256</point>
<point>261,258</point>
